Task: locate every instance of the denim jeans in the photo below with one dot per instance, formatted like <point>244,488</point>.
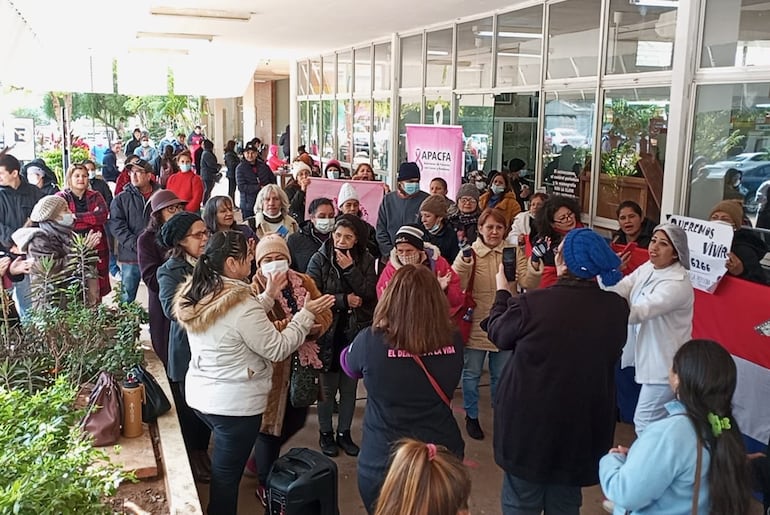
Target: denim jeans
<point>521,497</point>
<point>474,363</point>
<point>331,382</point>
<point>233,439</point>
<point>22,291</point>
<point>130,276</point>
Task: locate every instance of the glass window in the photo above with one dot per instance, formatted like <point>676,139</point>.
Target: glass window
<point>328,111</point>
<point>315,77</point>
<point>736,33</point>
<point>315,127</point>
<point>330,75</point>
<point>516,133</point>
<point>302,78</point>
<point>573,39</point>
<point>439,59</point>
<point>410,111</point>
<point>731,132</point>
<point>567,137</point>
<point>411,61</point>
<point>633,150</point>
<point>362,128</point>
<point>475,113</point>
<point>641,36</point>
<point>363,82</point>
<point>437,110</point>
<point>304,126</point>
<point>344,72</point>
<point>381,135</point>
<point>474,54</point>
<point>344,129</point>
<point>519,40</point>
<point>382,64</point>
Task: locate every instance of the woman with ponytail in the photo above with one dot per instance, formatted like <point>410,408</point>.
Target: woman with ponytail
<point>424,479</point>
<point>232,346</point>
<point>693,461</point>
<point>185,235</point>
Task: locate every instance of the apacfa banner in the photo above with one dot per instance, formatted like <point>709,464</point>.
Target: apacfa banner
<point>370,195</point>
<point>438,151</point>
<point>709,244</point>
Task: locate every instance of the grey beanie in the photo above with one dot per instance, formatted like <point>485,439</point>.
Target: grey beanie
<point>468,190</point>
<point>679,240</point>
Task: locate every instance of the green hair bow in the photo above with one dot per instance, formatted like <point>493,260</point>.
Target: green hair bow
<point>718,424</point>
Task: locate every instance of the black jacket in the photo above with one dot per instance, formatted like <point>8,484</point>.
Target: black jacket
<point>250,179</point>
<point>643,240</point>
<point>561,375</point>
<point>446,241</point>
<point>15,207</point>
<point>231,163</point>
<point>296,201</point>
<point>170,275</point>
<point>103,188</point>
<point>128,219</point>
<point>110,170</point>
<point>303,244</point>
<point>209,168</point>
<point>750,249</point>
<point>361,279</point>
<point>132,145</point>
<point>468,224</point>
<point>50,181</point>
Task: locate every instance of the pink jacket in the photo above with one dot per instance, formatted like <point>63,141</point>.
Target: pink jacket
<point>438,265</point>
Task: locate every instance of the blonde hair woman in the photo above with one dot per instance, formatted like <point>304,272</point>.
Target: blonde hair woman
<point>272,213</point>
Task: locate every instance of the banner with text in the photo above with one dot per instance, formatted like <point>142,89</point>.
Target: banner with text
<point>709,243</point>
<point>370,195</point>
<point>438,151</point>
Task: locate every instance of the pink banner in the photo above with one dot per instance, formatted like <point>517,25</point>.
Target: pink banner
<point>370,195</point>
<point>438,151</point>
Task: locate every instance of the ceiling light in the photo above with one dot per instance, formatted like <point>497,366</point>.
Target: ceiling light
<point>175,36</point>
<point>513,54</point>
<point>437,52</point>
<point>213,14</point>
<point>654,3</point>
<point>504,34</point>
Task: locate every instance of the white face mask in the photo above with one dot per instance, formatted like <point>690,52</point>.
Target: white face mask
<point>324,225</point>
<point>480,185</point>
<point>67,220</point>
<point>33,178</point>
<point>92,174</point>
<point>275,267</point>
<point>332,174</point>
<point>145,144</point>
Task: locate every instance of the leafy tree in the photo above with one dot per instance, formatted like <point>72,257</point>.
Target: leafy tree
<point>37,115</point>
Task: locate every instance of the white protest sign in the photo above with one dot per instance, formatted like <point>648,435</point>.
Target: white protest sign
<point>709,244</point>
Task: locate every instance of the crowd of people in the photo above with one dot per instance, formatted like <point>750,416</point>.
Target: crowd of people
<point>258,319</point>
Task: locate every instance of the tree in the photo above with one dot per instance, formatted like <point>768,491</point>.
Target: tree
<point>37,115</point>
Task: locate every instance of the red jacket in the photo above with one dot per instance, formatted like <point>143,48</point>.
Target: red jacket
<point>187,186</point>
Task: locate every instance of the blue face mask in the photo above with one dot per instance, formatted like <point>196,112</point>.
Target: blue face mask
<point>410,188</point>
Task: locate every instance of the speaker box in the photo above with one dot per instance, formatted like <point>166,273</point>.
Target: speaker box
<point>302,482</point>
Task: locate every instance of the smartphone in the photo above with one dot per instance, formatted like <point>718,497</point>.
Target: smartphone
<point>282,231</point>
<point>509,263</point>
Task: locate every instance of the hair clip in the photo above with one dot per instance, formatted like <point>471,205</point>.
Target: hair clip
<point>431,451</point>
<point>718,424</point>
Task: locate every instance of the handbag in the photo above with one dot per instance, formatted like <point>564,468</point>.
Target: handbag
<point>157,402</point>
<point>303,384</point>
<point>433,382</point>
<point>463,317</point>
<point>104,411</point>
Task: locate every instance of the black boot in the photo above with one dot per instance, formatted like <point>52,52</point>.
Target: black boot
<point>346,443</point>
<point>328,445</point>
<point>473,428</point>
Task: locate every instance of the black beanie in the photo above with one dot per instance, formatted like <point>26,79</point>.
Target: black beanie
<point>175,230</point>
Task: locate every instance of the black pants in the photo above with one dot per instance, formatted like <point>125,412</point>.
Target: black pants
<point>268,447</point>
<point>195,432</point>
<point>208,187</point>
<point>231,189</point>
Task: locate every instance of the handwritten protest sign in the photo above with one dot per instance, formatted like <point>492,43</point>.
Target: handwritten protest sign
<point>709,244</point>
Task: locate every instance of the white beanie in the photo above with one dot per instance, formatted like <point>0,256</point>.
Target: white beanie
<point>347,192</point>
<point>298,166</point>
<point>36,170</point>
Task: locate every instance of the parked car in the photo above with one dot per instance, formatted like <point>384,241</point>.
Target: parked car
<point>565,136</point>
<point>754,175</point>
<point>743,160</point>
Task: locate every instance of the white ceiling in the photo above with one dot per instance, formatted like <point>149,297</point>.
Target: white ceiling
<point>58,46</point>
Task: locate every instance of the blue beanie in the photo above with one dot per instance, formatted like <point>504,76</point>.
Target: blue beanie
<point>587,255</point>
<point>408,171</point>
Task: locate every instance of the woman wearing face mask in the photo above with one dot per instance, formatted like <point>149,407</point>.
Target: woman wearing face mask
<point>272,213</point>
<point>39,174</point>
<point>186,184</point>
<point>91,213</point>
<point>233,343</point>
<point>349,203</point>
<point>296,189</point>
<point>558,216</point>
<point>433,215</point>
<point>500,196</point>
<point>342,267</point>
<point>312,233</point>
<point>333,169</point>
<point>411,249</point>
<point>747,249</point>
<point>465,222</point>
<point>186,235</point>
<point>48,233</point>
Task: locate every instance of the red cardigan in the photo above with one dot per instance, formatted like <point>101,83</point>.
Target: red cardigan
<point>187,186</point>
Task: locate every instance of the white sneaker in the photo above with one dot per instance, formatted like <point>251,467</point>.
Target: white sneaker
<point>608,506</point>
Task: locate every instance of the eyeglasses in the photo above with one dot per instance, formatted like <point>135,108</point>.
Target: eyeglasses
<point>564,218</point>
<point>200,234</point>
<point>466,200</point>
<point>174,208</point>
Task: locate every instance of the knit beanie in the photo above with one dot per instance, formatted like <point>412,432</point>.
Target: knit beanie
<point>468,190</point>
<point>734,210</point>
<point>411,235</point>
<point>587,255</point>
<point>298,166</point>
<point>435,204</point>
<point>47,208</point>
<point>269,244</point>
<point>175,229</point>
<point>333,162</point>
<point>678,239</point>
<point>408,171</point>
<point>347,192</point>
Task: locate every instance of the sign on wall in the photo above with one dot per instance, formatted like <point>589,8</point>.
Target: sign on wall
<point>20,134</point>
<point>709,244</point>
<point>438,151</point>
<point>370,194</point>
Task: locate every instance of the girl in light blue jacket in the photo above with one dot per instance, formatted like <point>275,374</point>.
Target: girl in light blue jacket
<point>693,461</point>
